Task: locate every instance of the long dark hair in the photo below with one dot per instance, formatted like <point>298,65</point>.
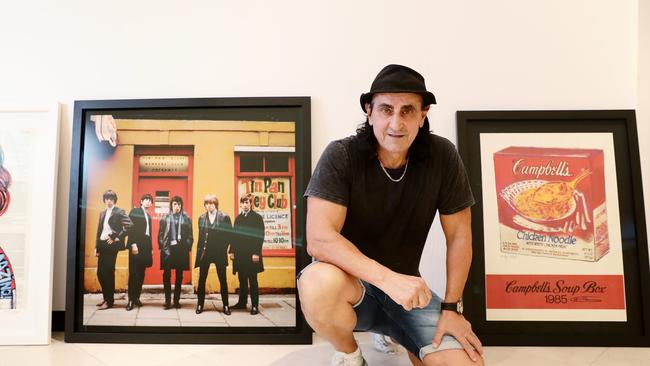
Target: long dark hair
<point>178,200</point>
<point>5,182</point>
<point>109,194</point>
<point>418,150</point>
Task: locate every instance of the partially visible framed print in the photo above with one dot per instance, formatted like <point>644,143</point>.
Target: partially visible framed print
<point>559,233</point>
<point>187,220</point>
<point>28,169</point>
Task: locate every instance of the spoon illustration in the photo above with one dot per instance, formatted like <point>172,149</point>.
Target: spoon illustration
<point>558,192</point>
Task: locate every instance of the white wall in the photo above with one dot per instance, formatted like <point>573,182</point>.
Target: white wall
<point>502,54</point>
<point>643,106</point>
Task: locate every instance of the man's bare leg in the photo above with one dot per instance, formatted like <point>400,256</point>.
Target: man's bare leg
<point>327,295</point>
<point>450,357</point>
<point>414,360</point>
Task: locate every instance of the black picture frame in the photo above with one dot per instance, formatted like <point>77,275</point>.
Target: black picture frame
<point>267,111</point>
<point>473,126</point>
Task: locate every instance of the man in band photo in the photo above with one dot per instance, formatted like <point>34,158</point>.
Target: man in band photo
<point>140,251</point>
<point>175,242</point>
<point>112,227</point>
<point>247,253</point>
<point>215,233</point>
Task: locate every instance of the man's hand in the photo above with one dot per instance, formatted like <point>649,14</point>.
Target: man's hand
<point>232,256</point>
<point>457,326</point>
<point>96,253</point>
<point>409,291</point>
<point>134,249</point>
<point>255,258</point>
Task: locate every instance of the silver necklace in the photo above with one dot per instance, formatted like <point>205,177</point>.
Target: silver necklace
<point>388,175</point>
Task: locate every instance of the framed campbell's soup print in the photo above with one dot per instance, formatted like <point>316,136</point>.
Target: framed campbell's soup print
<point>559,235</point>
<point>187,220</point>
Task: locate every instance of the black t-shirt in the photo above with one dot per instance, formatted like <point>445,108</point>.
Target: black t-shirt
<point>389,221</point>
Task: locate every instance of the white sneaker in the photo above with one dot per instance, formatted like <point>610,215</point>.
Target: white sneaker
<point>383,344</point>
<point>348,359</point>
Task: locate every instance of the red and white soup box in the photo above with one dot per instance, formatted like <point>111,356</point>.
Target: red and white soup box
<point>551,202</point>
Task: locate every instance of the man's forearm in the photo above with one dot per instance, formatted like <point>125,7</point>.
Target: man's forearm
<point>459,259</point>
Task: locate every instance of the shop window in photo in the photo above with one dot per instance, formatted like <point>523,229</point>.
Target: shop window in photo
<point>270,178</point>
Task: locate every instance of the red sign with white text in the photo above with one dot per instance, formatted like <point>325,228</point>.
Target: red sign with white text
<point>555,292</point>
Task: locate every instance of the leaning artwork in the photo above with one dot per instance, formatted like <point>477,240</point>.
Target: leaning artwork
<point>7,278</point>
<point>28,166</point>
<point>187,220</point>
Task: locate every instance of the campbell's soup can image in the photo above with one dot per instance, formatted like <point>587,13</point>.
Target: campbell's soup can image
<point>551,202</point>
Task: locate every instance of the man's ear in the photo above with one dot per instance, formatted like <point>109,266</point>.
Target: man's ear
<point>369,112</point>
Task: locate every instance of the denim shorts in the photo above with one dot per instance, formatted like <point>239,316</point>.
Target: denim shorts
<point>414,329</point>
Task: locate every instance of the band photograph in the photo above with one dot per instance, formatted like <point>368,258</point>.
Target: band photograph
<point>187,218</point>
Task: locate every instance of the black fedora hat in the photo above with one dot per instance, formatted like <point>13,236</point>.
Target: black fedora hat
<point>398,79</point>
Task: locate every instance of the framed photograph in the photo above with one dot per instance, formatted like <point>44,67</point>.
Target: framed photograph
<point>28,168</point>
<point>559,234</point>
<point>187,220</point>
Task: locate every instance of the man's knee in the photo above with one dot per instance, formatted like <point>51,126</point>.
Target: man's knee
<point>325,282</point>
<point>450,358</point>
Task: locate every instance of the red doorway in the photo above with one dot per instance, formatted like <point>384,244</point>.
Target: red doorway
<point>157,171</point>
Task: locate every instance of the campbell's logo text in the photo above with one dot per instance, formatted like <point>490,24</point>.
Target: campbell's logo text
<point>551,168</point>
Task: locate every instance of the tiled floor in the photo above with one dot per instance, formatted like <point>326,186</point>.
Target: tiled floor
<point>275,310</point>
<point>59,353</point>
